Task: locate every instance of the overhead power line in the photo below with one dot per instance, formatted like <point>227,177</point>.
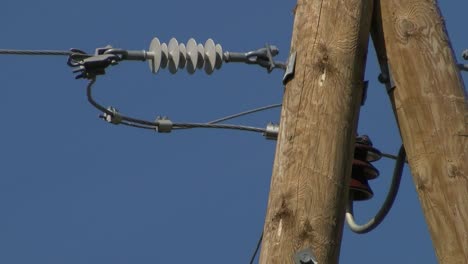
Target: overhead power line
<point>36,52</point>
<point>263,108</point>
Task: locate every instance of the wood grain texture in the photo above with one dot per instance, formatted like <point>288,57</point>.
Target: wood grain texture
<point>312,166</point>
<point>431,106</point>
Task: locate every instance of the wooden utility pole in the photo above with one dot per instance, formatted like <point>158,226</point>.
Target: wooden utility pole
<point>309,186</point>
<point>431,109</point>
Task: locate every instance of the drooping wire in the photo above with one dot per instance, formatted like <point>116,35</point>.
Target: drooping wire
<point>219,126</point>
<point>252,259</point>
<point>263,108</point>
<point>137,125</point>
<point>108,112</point>
<point>386,206</point>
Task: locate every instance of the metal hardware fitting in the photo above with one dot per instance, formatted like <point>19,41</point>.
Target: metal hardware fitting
<point>90,66</point>
<point>365,85</point>
<point>164,125</point>
<point>386,78</point>
<point>115,118</point>
<point>271,131</point>
<point>289,73</point>
<point>463,67</point>
<point>262,57</point>
<point>305,256</point>
<point>465,54</point>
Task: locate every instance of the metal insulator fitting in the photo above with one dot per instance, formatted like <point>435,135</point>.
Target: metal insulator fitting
<point>114,118</point>
<point>164,125</point>
<point>271,131</point>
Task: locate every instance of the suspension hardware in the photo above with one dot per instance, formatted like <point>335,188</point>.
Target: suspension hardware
<point>174,56</point>
<point>90,66</point>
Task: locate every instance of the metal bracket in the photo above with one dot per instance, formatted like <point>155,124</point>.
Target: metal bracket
<point>305,256</point>
<point>289,73</point>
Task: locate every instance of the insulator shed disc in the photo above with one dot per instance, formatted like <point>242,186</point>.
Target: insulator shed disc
<point>210,56</point>
<point>219,56</point>
<point>155,51</point>
<point>183,56</point>
<point>174,55</point>
<point>192,56</point>
<point>164,55</point>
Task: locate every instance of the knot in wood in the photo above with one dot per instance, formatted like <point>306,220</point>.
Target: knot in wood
<point>406,29</point>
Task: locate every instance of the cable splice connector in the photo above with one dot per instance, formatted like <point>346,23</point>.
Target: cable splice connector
<point>114,118</point>
<point>164,125</point>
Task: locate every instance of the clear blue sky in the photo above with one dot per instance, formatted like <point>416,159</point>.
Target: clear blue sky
<point>74,189</point>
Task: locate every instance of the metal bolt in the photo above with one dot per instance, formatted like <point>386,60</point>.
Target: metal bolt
<point>465,54</point>
<point>307,259</point>
<point>383,78</point>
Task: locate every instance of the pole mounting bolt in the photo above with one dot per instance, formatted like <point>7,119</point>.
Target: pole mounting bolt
<point>465,54</point>
<point>305,256</point>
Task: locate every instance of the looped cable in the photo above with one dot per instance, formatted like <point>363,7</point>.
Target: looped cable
<point>386,206</point>
<point>112,114</point>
